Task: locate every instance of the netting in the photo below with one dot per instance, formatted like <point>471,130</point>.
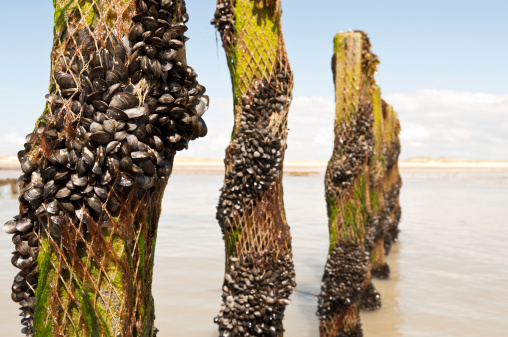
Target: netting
<point>378,221</point>
<point>362,186</point>
<point>259,269</point>
<point>347,187</point>
<point>121,102</point>
<point>392,181</point>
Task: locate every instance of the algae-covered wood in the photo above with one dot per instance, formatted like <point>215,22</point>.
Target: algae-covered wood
<point>347,189</point>
<point>121,102</point>
<point>259,269</point>
<point>361,188</point>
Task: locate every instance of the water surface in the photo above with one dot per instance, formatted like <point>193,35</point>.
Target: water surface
<point>449,269</point>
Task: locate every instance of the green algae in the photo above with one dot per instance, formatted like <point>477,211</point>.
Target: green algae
<point>91,319</point>
<point>259,27</point>
<point>333,210</point>
<point>42,326</point>
<point>232,239</point>
<point>347,77</point>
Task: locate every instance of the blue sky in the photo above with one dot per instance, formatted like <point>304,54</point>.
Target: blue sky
<point>443,67</point>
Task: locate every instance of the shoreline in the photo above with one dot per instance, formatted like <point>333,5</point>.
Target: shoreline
<point>303,167</point>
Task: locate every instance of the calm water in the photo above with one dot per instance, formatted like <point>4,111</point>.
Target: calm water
<point>449,270</point>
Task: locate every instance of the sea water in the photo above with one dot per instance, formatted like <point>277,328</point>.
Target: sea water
<point>449,270</point>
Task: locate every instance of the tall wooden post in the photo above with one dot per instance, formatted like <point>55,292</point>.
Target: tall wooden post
<point>391,180</point>
<point>259,269</point>
<point>378,221</point>
<point>347,188</point>
<point>362,187</point>
<point>121,102</point>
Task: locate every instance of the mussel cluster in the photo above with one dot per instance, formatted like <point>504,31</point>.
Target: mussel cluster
<point>255,294</point>
<point>391,195</point>
<point>377,228</point>
<point>392,154</point>
<point>345,272</point>
<point>393,207</point>
<point>24,258</point>
<point>254,157</point>
<point>224,19</point>
<point>356,148</point>
<point>382,272</point>
<point>370,298</point>
<point>256,290</point>
<point>118,110</point>
<point>356,332</point>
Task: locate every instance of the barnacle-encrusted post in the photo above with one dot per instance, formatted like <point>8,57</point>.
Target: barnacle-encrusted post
<point>121,102</point>
<point>379,220</point>
<point>347,188</point>
<point>385,184</point>
<point>259,270</point>
<point>391,180</point>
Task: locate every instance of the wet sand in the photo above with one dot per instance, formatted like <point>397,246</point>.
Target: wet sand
<point>449,269</point>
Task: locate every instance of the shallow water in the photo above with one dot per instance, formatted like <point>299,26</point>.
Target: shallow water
<point>449,269</point>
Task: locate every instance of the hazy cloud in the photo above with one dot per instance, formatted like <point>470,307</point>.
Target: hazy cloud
<point>310,129</point>
<point>437,123</point>
<point>11,143</point>
<point>448,123</point>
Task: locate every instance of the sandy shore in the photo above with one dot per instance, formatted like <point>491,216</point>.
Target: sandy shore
<point>9,163</point>
<point>427,162</point>
<point>302,167</point>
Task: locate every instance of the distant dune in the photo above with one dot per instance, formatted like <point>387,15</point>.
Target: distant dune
<point>303,167</point>
<point>449,163</point>
<point>9,163</point>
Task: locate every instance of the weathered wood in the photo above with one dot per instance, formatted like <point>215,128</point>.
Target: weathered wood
<point>362,185</point>
<point>121,102</point>
<point>259,267</point>
<point>347,188</point>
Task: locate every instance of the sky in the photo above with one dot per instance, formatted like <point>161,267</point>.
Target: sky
<point>443,68</point>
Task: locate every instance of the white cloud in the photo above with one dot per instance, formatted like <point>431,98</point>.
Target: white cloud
<point>11,143</point>
<point>448,123</point>
<point>412,132</point>
<point>310,129</point>
<point>437,123</point>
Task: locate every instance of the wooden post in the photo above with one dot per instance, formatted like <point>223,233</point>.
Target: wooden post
<point>378,222</point>
<point>392,181</point>
<point>347,188</point>
<point>362,186</point>
<point>259,269</point>
<point>121,102</point>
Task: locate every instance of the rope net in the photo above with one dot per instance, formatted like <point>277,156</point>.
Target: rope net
<point>362,187</point>
<point>347,185</point>
<point>392,181</point>
<point>121,102</point>
<point>385,184</point>
<point>259,274</point>
<point>378,221</point>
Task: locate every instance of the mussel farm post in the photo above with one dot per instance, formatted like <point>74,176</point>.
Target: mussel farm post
<point>121,102</point>
<point>259,274</point>
<point>392,181</point>
<point>347,272</point>
<point>384,188</point>
<point>379,221</point>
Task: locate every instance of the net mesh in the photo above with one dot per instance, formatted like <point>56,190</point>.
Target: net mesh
<point>378,222</point>
<point>259,269</point>
<point>347,187</point>
<point>121,102</point>
<point>392,181</point>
